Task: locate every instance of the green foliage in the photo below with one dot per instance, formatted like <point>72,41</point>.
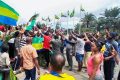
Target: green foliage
<point>88,19</point>
<point>110,18</point>
<point>113,12</point>
<point>88,30</point>
<point>77,27</point>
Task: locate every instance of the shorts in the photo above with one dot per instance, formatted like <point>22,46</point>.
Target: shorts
<point>79,57</point>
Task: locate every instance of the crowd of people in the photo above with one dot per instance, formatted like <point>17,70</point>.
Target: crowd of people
<point>19,51</point>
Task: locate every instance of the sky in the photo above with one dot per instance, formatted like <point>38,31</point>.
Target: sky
<point>26,8</point>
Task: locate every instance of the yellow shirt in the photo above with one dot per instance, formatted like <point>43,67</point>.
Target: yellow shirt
<point>52,77</point>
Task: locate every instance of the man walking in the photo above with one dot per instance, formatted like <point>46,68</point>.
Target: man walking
<point>70,44</point>
<point>29,60</point>
<point>80,43</point>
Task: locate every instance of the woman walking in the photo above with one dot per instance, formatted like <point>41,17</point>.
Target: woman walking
<point>93,64</point>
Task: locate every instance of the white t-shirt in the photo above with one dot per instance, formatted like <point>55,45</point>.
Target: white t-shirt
<point>80,46</point>
<point>4,59</point>
<point>11,40</point>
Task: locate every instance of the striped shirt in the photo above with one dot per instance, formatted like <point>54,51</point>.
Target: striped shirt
<point>22,42</point>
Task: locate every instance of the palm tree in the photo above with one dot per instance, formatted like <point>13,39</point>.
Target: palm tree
<point>113,12</point>
<point>112,17</point>
<point>77,26</point>
<point>89,18</point>
<point>101,22</point>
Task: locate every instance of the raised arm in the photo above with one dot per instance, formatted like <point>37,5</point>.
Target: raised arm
<point>86,37</point>
<point>77,35</point>
<point>93,37</point>
<point>107,33</point>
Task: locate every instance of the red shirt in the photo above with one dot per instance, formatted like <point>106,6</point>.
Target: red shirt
<point>46,43</point>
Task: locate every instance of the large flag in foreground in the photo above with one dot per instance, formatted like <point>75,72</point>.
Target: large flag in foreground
<point>7,14</point>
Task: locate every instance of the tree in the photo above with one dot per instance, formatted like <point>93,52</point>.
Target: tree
<point>101,21</point>
<point>112,17</point>
<point>77,26</point>
<point>88,19</point>
<point>113,12</point>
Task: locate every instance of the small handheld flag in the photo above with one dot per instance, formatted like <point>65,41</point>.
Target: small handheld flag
<point>73,13</point>
<point>56,17</point>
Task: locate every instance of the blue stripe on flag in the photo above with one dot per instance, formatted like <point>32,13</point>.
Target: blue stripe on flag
<point>8,21</point>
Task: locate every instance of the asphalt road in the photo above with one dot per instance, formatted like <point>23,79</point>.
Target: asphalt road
<point>78,75</point>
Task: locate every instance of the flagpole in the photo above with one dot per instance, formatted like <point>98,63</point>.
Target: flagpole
<point>54,23</point>
<point>80,21</point>
<point>73,21</point>
<point>60,23</point>
<point>67,24</point>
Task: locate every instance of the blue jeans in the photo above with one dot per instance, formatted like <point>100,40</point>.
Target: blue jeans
<point>30,74</point>
<point>79,57</point>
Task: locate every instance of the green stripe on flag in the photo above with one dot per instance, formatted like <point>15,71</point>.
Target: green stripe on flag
<point>37,42</point>
<point>30,27</point>
<point>6,12</point>
<point>4,5</point>
<point>37,39</point>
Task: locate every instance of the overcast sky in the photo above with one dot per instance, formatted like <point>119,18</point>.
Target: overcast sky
<point>26,8</point>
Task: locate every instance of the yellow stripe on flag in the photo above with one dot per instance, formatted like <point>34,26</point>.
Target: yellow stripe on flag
<point>6,12</point>
<point>38,46</point>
